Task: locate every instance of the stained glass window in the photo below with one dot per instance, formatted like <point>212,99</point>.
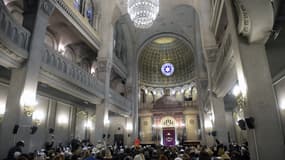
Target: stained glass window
<point>89,14</point>
<point>77,4</point>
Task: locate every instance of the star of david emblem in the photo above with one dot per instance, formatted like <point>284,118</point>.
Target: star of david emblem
<point>167,69</point>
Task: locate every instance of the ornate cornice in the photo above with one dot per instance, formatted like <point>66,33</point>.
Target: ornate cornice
<point>255,19</point>
<point>9,58</point>
<point>244,22</point>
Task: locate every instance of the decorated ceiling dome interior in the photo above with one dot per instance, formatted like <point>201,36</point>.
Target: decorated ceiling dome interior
<point>166,62</point>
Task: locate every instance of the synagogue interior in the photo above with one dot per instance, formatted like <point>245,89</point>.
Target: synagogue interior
<point>142,79</point>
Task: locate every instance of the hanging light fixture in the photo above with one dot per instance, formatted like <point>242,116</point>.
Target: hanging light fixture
<point>143,12</point>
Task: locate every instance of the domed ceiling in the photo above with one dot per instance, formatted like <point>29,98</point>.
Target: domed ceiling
<point>161,51</point>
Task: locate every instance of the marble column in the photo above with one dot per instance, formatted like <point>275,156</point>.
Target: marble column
<point>104,66</point>
<point>265,140</point>
<point>220,119</point>
<point>23,83</point>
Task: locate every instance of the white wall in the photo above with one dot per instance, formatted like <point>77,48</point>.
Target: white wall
<point>62,130</point>
<point>3,98</point>
<point>52,113</point>
<point>231,125</point>
<point>39,138</point>
<point>115,123</point>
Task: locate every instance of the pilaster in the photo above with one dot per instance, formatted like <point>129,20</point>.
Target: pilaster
<point>102,122</point>
<point>220,119</point>
<point>23,83</point>
<point>265,140</point>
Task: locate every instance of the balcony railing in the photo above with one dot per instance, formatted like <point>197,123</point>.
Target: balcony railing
<point>66,7</point>
<point>14,37</point>
<point>65,69</point>
<point>120,101</point>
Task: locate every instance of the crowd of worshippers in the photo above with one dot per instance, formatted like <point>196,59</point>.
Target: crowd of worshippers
<point>84,150</point>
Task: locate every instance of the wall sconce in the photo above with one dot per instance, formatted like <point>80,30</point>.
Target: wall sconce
<point>106,121</point>
<point>208,124</point>
<point>29,110</point>
<point>236,90</point>
<point>2,112</point>
<point>93,70</point>
<point>211,117</point>
<point>28,101</point>
<point>38,117</point>
<point>61,49</point>
<point>282,104</point>
<point>129,127</point>
<point>88,125</point>
<point>240,94</point>
<point>182,125</point>
<point>62,119</point>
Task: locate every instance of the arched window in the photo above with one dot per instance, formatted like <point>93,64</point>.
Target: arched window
<point>77,5</point>
<point>89,14</point>
<point>69,54</point>
<point>89,11</point>
<point>50,40</point>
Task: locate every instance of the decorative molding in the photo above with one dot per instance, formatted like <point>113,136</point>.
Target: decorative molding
<point>82,114</point>
<point>102,65</point>
<point>256,19</point>
<point>47,7</point>
<point>9,58</point>
<point>49,77</point>
<point>244,22</point>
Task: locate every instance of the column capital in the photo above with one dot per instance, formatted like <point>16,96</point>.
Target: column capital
<point>47,7</point>
<point>104,64</point>
<point>255,19</point>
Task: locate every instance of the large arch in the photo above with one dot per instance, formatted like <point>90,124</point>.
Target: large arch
<point>155,37</point>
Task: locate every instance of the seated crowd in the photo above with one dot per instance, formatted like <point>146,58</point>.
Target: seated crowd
<point>84,150</point>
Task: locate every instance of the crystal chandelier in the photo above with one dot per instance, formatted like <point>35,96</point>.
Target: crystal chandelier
<point>143,12</point>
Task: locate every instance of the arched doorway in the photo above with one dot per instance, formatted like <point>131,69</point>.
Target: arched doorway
<point>169,136</point>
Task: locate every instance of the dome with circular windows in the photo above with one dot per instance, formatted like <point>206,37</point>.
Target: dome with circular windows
<point>166,62</point>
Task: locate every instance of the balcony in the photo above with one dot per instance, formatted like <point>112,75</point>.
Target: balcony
<point>119,101</point>
<point>66,7</point>
<point>14,39</point>
<point>56,65</point>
